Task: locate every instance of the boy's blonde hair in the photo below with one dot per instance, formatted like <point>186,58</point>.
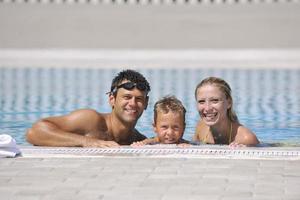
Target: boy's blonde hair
<point>167,104</point>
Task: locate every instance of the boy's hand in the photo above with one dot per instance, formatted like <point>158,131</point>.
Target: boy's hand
<point>138,144</point>
<point>184,145</point>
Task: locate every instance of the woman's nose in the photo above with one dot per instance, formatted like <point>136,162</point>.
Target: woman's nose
<point>207,105</point>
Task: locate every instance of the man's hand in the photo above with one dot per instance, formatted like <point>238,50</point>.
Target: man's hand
<point>91,142</point>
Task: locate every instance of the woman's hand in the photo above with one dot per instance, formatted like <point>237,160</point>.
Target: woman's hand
<point>236,145</point>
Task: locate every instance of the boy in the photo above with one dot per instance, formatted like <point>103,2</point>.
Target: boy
<point>169,122</point>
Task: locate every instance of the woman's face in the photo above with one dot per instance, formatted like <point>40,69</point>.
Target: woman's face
<point>212,104</point>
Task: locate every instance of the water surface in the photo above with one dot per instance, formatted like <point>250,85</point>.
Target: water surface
<point>266,101</point>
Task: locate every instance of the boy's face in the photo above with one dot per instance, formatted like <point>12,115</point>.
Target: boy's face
<point>169,127</point>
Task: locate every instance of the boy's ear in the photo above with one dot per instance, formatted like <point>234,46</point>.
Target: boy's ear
<point>146,102</point>
<point>154,127</point>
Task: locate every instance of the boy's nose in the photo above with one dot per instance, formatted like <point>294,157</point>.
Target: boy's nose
<point>169,131</point>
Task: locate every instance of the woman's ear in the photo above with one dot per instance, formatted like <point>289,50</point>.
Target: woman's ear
<point>229,105</point>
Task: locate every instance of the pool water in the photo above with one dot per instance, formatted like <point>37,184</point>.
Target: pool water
<point>266,101</point>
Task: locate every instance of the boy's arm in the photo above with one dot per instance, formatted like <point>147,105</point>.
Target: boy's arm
<point>145,142</point>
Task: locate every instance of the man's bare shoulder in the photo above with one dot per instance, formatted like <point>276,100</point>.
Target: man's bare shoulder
<point>87,114</point>
<point>138,136</point>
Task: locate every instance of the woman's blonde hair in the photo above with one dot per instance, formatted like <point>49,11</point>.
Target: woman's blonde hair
<point>225,88</point>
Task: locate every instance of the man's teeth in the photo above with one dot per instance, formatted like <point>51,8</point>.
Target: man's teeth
<point>131,111</point>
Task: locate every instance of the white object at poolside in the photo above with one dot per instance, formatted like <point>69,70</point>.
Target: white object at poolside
<point>8,147</point>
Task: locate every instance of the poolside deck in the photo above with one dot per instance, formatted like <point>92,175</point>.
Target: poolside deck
<point>260,24</point>
<point>174,175</point>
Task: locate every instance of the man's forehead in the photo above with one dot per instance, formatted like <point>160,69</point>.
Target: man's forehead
<point>134,92</point>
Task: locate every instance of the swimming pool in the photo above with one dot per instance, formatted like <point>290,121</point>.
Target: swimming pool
<point>267,101</point>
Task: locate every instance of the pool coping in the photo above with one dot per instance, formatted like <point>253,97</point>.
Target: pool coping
<point>149,58</point>
<point>167,151</point>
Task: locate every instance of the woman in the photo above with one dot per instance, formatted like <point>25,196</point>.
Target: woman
<point>219,123</point>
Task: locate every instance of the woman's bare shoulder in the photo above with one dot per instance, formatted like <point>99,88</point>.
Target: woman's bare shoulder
<point>201,131</point>
<point>245,136</point>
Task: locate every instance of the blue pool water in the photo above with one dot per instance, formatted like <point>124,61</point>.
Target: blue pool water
<point>266,101</point>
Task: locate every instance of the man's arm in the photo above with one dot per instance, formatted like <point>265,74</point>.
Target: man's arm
<point>68,131</point>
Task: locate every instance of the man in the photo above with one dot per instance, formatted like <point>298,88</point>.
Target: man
<point>128,98</point>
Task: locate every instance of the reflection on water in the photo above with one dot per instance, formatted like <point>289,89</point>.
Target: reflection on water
<point>267,101</point>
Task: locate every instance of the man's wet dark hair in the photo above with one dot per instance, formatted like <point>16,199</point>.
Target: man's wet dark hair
<point>132,76</point>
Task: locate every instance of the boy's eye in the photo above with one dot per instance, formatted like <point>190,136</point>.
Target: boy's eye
<point>163,127</point>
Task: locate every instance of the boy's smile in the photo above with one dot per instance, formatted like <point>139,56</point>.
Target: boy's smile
<point>169,127</point>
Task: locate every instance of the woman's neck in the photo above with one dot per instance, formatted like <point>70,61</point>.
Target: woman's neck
<point>222,133</point>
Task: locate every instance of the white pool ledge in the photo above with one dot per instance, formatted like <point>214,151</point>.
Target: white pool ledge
<point>168,151</point>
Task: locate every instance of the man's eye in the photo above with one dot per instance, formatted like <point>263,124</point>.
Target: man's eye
<point>140,99</point>
<point>127,97</point>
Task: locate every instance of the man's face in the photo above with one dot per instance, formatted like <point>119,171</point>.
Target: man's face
<point>128,105</point>
<point>169,127</point>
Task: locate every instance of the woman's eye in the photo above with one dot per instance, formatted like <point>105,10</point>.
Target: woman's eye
<point>201,101</point>
<point>215,100</point>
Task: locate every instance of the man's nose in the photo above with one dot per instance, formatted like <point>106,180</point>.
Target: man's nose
<point>133,101</point>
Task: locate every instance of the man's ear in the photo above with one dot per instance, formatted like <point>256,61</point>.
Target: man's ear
<point>146,102</point>
<point>111,99</point>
